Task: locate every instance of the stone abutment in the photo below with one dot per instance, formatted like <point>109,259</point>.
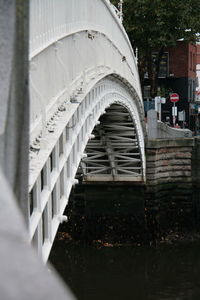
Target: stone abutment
<point>171,197</point>
<point>134,212</point>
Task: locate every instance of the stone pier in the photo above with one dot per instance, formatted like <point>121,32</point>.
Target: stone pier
<point>169,194</point>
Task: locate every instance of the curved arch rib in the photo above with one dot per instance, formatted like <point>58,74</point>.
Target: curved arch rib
<point>53,173</point>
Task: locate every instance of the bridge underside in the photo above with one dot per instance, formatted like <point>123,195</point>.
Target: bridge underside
<point>113,154</point>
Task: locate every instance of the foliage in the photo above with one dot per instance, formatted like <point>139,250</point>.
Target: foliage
<point>155,24</point>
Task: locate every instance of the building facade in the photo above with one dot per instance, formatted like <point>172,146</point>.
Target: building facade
<point>178,75</point>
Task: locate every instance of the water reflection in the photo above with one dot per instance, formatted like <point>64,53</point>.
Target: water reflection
<point>130,273</point>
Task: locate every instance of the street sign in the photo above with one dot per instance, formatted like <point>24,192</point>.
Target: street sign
<point>174,111</point>
<point>174,97</point>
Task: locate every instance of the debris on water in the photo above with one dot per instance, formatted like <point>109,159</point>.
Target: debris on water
<point>176,236</point>
<point>63,236</point>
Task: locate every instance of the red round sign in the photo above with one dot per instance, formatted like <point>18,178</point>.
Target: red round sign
<point>174,97</point>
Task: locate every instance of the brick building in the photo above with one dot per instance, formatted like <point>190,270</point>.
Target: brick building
<point>178,75</point>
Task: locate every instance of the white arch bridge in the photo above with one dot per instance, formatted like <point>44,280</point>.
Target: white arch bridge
<point>85,118</point>
<point>86,114</point>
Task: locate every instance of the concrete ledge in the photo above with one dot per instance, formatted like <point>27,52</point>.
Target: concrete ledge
<point>169,180</point>
<point>160,130</point>
<point>165,131</point>
<point>169,160</point>
<point>167,143</point>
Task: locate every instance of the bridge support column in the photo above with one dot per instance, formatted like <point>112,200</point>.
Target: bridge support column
<point>169,199</point>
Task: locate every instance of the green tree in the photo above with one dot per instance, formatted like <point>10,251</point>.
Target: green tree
<point>155,24</point>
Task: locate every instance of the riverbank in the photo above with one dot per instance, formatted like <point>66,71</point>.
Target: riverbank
<point>172,238</point>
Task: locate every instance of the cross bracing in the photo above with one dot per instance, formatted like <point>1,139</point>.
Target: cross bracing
<point>114,151</point>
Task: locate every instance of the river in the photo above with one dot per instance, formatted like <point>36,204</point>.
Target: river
<point>164,272</point>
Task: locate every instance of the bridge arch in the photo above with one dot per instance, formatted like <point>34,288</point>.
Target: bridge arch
<point>81,69</point>
<point>53,171</point>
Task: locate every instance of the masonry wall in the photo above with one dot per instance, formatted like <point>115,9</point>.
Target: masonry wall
<point>169,160</point>
<point>196,162</point>
<point>169,193</point>
<point>134,212</point>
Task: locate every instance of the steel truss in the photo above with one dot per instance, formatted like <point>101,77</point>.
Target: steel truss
<point>114,152</point>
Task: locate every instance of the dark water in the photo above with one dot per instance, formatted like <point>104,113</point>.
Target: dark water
<point>166,272</point>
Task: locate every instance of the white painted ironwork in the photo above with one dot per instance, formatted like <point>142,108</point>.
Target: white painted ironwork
<point>114,153</point>
<point>120,5</point>
<point>86,107</point>
<point>73,44</point>
<point>53,169</point>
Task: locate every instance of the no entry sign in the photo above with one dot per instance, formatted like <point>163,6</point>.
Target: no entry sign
<point>174,97</point>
